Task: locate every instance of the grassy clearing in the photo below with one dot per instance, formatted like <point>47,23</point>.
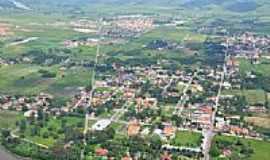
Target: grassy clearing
<point>187,138</point>
<point>235,92</point>
<point>8,119</point>
<point>263,68</point>
<point>254,96</point>
<point>263,121</point>
<point>10,75</point>
<point>26,80</point>
<point>172,34</point>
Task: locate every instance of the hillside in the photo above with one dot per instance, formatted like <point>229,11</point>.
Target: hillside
<point>229,5</point>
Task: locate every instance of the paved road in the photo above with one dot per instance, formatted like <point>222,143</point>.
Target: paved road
<point>167,86</point>
<point>5,155</point>
<point>93,78</point>
<point>179,106</point>
<point>208,134</point>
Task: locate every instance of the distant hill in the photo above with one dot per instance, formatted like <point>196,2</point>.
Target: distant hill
<point>6,4</point>
<point>228,5</point>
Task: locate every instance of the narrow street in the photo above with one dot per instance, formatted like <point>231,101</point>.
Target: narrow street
<point>167,86</point>
<point>209,133</point>
<point>179,106</point>
<point>93,77</point>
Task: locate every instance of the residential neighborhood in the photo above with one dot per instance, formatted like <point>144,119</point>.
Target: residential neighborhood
<point>134,80</point>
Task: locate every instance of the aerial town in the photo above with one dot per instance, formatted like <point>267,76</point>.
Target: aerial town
<point>132,86</point>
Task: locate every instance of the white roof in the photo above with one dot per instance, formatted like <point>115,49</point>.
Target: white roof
<point>101,124</point>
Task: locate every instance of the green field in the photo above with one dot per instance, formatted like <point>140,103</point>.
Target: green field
<point>8,119</point>
<point>187,138</point>
<point>26,79</point>
<point>173,34</point>
<point>262,68</point>
<point>253,96</point>
<point>260,148</point>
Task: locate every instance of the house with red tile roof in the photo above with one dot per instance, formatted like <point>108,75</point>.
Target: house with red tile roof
<point>133,128</point>
<point>101,152</point>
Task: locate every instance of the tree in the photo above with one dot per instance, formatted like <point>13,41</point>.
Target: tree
<point>22,125</point>
<point>214,151</point>
<point>5,133</point>
<point>39,114</point>
<point>155,142</point>
<point>45,135</point>
<point>34,131</point>
<point>89,87</point>
<point>178,120</point>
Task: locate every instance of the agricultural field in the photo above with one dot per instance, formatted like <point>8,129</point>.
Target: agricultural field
<point>253,96</point>
<point>64,63</point>
<point>262,121</point>
<point>180,34</point>
<point>27,79</point>
<point>45,28</point>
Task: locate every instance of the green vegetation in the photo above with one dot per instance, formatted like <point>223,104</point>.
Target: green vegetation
<point>187,138</point>
<point>192,29</point>
<point>51,131</point>
<point>263,68</point>
<point>8,119</point>
<point>253,96</point>
<point>28,80</point>
<point>241,148</point>
<point>180,34</point>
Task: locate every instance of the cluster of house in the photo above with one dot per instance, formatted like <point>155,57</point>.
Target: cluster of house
<point>145,102</point>
<point>223,125</point>
<point>91,42</point>
<point>201,115</point>
<point>118,27</point>
<point>127,85</point>
<point>3,62</point>
<point>219,30</point>
<point>29,105</point>
<point>164,44</point>
<point>135,25</point>
<point>166,131</point>
<point>127,27</point>
<point>104,153</point>
<point>100,97</point>
<point>248,45</point>
<point>4,30</point>
<point>256,109</point>
<point>76,43</point>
